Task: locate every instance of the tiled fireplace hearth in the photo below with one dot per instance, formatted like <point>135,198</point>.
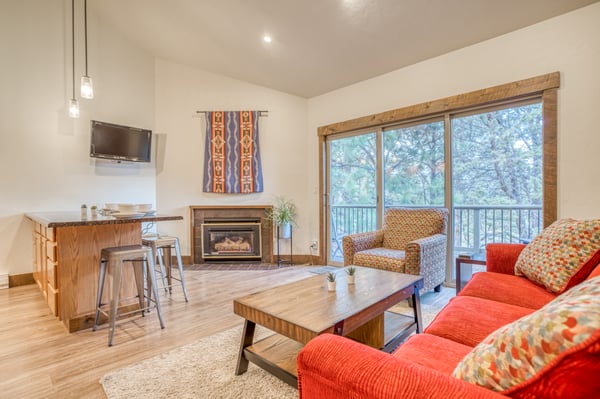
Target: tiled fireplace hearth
<point>231,234</point>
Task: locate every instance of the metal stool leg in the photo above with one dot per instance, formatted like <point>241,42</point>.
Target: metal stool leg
<point>157,252</point>
<point>139,271</point>
<point>152,273</point>
<point>116,271</point>
<point>101,277</point>
<point>180,266</point>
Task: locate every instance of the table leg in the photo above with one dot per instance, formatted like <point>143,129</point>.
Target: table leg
<point>247,338</point>
<point>416,298</point>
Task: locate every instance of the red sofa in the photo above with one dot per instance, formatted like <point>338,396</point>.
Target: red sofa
<point>331,366</point>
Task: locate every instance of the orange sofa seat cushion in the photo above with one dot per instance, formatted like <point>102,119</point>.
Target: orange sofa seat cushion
<point>507,288</point>
<point>433,352</point>
<point>468,320</point>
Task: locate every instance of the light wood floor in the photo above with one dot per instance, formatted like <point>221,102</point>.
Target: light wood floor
<point>39,359</point>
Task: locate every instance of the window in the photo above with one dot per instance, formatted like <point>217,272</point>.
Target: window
<point>480,150</point>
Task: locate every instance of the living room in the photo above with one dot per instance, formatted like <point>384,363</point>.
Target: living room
<point>45,155</point>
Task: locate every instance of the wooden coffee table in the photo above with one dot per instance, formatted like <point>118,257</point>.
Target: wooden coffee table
<point>299,311</point>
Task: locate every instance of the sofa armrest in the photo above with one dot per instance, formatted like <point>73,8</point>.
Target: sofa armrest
<point>353,243</point>
<point>331,366</point>
<point>426,255</point>
<point>501,258</point>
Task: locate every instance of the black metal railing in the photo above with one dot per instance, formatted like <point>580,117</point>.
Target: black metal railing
<point>474,226</point>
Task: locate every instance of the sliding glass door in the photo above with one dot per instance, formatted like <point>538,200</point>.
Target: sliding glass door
<point>484,165</point>
<point>352,190</point>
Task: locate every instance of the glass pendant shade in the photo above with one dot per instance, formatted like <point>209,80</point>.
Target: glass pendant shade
<point>87,88</point>
<point>73,108</point>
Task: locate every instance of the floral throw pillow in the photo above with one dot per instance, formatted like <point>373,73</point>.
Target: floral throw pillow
<point>562,254</point>
<point>536,343</point>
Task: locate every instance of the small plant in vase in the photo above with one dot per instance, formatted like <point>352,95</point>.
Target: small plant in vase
<point>351,271</point>
<point>283,215</point>
<point>331,281</point>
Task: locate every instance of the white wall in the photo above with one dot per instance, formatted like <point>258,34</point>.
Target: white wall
<point>569,43</point>
<point>44,161</point>
<point>180,92</point>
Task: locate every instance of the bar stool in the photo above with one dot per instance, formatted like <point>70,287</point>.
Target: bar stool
<point>159,244</point>
<point>143,265</point>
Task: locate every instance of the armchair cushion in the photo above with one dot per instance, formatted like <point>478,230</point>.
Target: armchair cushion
<point>539,352</point>
<point>562,255</point>
<point>381,258</point>
<point>402,225</point>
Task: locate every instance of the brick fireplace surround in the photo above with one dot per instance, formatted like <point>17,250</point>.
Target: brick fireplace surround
<point>200,214</point>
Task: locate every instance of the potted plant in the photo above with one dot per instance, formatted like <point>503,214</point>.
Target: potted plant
<point>350,272</point>
<point>331,281</point>
<point>283,214</point>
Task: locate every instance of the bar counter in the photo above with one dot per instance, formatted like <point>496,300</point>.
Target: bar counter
<point>67,257</point>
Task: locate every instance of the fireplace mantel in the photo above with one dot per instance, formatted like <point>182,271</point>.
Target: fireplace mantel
<point>198,214</point>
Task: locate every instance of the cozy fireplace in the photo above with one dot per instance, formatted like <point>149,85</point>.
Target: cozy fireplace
<point>226,239</point>
<point>222,233</point>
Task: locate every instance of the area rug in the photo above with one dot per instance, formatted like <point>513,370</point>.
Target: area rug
<point>203,369</point>
<point>206,369</point>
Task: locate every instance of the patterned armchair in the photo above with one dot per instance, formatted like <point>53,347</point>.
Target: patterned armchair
<point>411,241</point>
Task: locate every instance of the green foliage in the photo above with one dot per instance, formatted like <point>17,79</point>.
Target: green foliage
<point>496,159</point>
<point>351,271</point>
<point>331,277</point>
<point>283,212</point>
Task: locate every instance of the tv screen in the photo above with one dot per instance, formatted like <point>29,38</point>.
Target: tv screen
<point>121,143</point>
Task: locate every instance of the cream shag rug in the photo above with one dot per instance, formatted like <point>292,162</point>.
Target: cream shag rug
<point>206,368</point>
<point>203,369</point>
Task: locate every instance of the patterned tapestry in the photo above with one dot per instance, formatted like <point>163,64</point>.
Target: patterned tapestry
<point>232,156</point>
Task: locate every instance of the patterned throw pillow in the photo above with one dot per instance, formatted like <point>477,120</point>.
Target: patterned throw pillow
<point>538,343</point>
<point>560,252</point>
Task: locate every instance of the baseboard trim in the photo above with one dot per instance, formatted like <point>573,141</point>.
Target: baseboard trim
<point>17,280</point>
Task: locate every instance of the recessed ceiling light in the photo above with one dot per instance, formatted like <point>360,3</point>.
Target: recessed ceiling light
<point>267,39</point>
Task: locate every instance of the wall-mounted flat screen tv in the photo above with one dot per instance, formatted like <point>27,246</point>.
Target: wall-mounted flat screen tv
<point>121,143</point>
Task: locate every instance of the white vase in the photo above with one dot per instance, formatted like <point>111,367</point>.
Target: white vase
<point>285,230</point>
<point>331,286</point>
<point>351,279</point>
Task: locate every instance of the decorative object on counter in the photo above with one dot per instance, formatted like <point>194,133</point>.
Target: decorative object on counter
<point>351,271</point>
<point>84,211</point>
<point>331,281</point>
<point>94,211</point>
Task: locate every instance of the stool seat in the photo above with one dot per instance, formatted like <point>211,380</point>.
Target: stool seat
<point>113,259</point>
<point>159,243</point>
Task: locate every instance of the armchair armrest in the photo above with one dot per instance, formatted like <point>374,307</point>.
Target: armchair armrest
<point>501,258</point>
<point>353,243</point>
<point>426,255</point>
<point>331,366</point>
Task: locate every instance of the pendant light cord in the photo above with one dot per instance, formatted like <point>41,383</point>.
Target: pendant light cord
<point>85,28</point>
<point>73,41</point>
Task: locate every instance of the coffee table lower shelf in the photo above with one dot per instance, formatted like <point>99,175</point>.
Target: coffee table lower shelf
<point>277,353</point>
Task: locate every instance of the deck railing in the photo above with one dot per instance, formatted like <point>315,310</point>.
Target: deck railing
<point>474,226</point>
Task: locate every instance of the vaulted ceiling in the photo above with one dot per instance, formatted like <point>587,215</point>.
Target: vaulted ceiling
<point>317,45</point>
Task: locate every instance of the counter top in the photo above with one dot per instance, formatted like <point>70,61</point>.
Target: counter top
<point>65,219</point>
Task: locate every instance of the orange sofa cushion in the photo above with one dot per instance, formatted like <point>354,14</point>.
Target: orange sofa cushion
<point>507,288</point>
<point>468,320</point>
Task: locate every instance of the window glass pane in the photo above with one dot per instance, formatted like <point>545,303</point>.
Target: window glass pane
<point>414,165</point>
<point>352,188</point>
<point>497,176</point>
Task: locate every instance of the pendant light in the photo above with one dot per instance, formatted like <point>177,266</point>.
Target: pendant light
<point>73,104</point>
<point>87,88</point>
